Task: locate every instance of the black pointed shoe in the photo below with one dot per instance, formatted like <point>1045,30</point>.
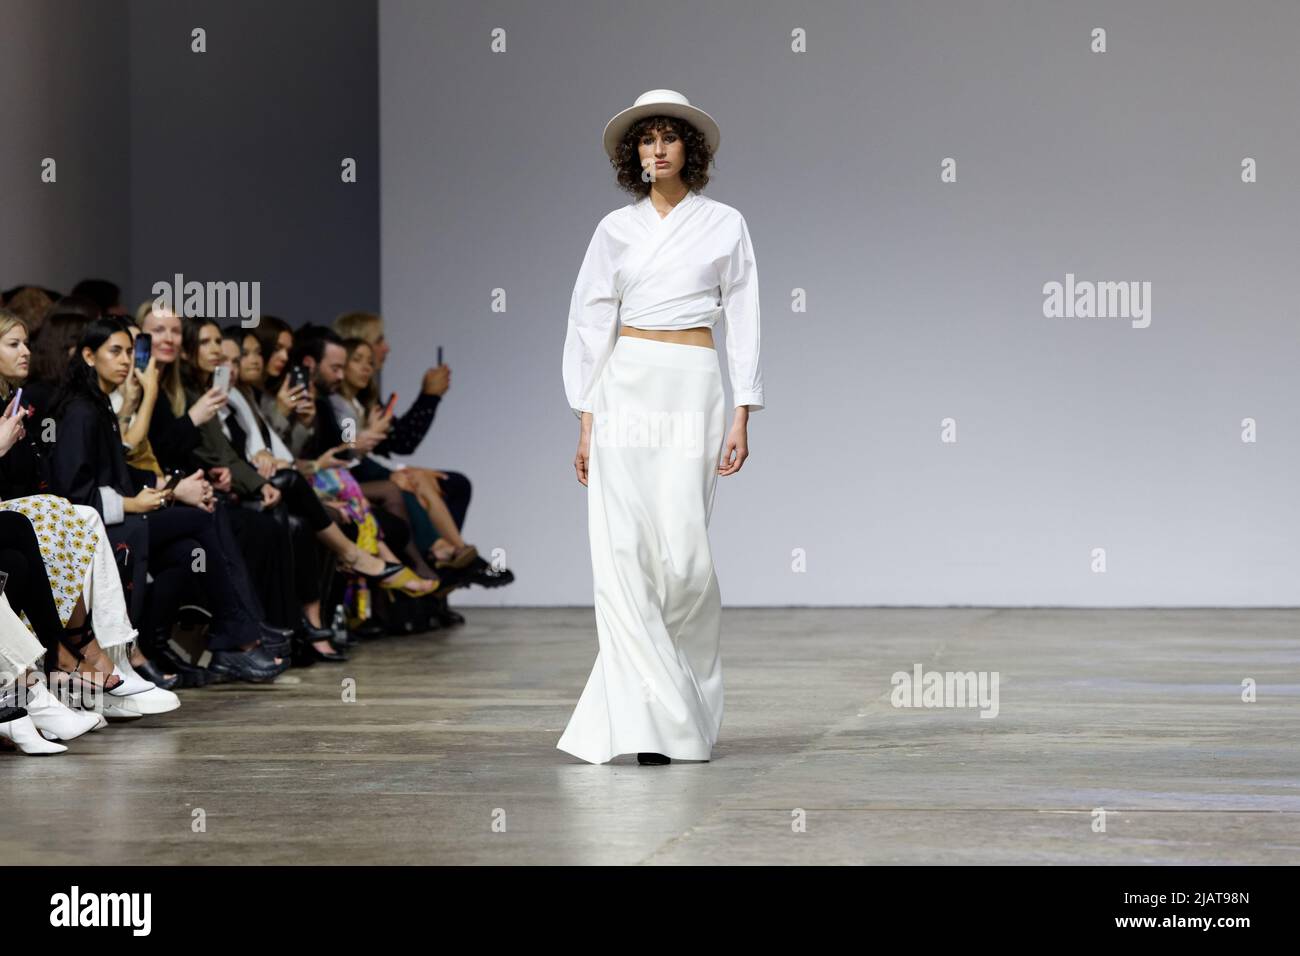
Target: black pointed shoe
<point>652,759</point>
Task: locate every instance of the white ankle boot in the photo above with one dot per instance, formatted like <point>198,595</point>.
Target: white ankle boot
<point>54,719</point>
<point>23,732</point>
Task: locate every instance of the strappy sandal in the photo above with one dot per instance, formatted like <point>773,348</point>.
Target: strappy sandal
<point>76,640</point>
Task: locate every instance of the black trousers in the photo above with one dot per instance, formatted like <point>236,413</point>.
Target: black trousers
<point>202,546</point>
<point>28,587</point>
<point>268,551</point>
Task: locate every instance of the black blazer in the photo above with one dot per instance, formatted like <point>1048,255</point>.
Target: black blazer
<point>88,455</point>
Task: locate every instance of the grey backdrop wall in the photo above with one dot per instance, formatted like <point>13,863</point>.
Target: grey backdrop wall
<point>924,299</point>
<point>222,165</point>
<point>236,152</point>
<point>63,96</point>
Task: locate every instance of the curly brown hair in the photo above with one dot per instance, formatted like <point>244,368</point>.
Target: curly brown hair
<point>627,162</point>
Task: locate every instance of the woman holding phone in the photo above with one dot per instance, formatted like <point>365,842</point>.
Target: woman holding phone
<point>357,401</point>
<point>89,467</point>
<point>76,550</point>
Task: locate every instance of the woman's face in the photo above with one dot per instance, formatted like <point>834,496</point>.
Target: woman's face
<point>360,368</point>
<point>280,357</point>
<point>15,357</point>
<point>662,154</point>
<point>249,362</point>
<point>229,353</point>
<point>165,327</point>
<point>111,361</point>
<point>381,349</point>
<point>208,355</point>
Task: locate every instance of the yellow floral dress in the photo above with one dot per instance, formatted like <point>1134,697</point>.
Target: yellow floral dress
<point>67,542</point>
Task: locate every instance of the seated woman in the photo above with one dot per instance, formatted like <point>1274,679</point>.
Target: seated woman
<point>74,545</point>
<point>88,466</point>
<point>357,401</point>
<point>287,412</point>
<point>224,444</point>
<point>30,716</point>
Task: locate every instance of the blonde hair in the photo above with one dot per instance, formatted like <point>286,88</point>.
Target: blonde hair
<point>367,326</point>
<point>169,380</point>
<point>8,320</point>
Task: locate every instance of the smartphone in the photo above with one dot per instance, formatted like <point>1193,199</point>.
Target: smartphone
<point>439,354</point>
<point>298,376</point>
<point>174,480</point>
<point>221,377</point>
<point>18,403</point>
<point>143,349</point>
<point>392,403</point>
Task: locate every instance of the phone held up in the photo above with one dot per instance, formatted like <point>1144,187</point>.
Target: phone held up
<point>221,378</point>
<point>143,349</point>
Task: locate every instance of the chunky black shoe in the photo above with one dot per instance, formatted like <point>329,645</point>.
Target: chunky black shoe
<point>486,576</point>
<point>277,641</point>
<point>652,759</point>
<point>254,666</point>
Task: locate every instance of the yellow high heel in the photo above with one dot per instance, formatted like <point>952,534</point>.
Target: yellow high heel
<point>408,582</point>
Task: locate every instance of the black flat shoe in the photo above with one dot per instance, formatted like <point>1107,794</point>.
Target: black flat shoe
<point>445,616</point>
<point>307,654</point>
<point>652,759</point>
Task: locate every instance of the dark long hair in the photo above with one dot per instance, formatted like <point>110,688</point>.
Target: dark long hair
<point>192,376</point>
<point>52,343</point>
<point>267,331</point>
<point>80,379</point>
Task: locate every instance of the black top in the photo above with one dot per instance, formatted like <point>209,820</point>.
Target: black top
<point>403,438</point>
<point>173,438</point>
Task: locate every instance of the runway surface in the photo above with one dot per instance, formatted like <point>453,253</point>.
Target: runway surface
<point>448,753</point>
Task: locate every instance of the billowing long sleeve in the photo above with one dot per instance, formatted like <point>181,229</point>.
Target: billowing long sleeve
<point>593,323</point>
<point>739,288</point>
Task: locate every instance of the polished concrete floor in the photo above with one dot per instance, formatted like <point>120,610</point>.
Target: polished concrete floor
<point>448,753</point>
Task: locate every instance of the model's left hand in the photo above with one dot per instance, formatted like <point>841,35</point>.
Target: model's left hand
<point>736,448</point>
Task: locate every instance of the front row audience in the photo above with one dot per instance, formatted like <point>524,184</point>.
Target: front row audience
<point>182,503</point>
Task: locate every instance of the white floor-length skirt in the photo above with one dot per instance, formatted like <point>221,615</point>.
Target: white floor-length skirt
<point>657,433</point>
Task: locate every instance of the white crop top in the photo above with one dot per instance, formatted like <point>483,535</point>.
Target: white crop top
<point>679,271</point>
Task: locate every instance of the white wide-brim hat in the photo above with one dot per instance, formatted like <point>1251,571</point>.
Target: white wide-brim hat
<point>660,103</point>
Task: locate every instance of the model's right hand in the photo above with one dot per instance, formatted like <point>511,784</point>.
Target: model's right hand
<point>584,449</point>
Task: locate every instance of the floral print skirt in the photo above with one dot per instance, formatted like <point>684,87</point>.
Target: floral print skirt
<point>67,543</point>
